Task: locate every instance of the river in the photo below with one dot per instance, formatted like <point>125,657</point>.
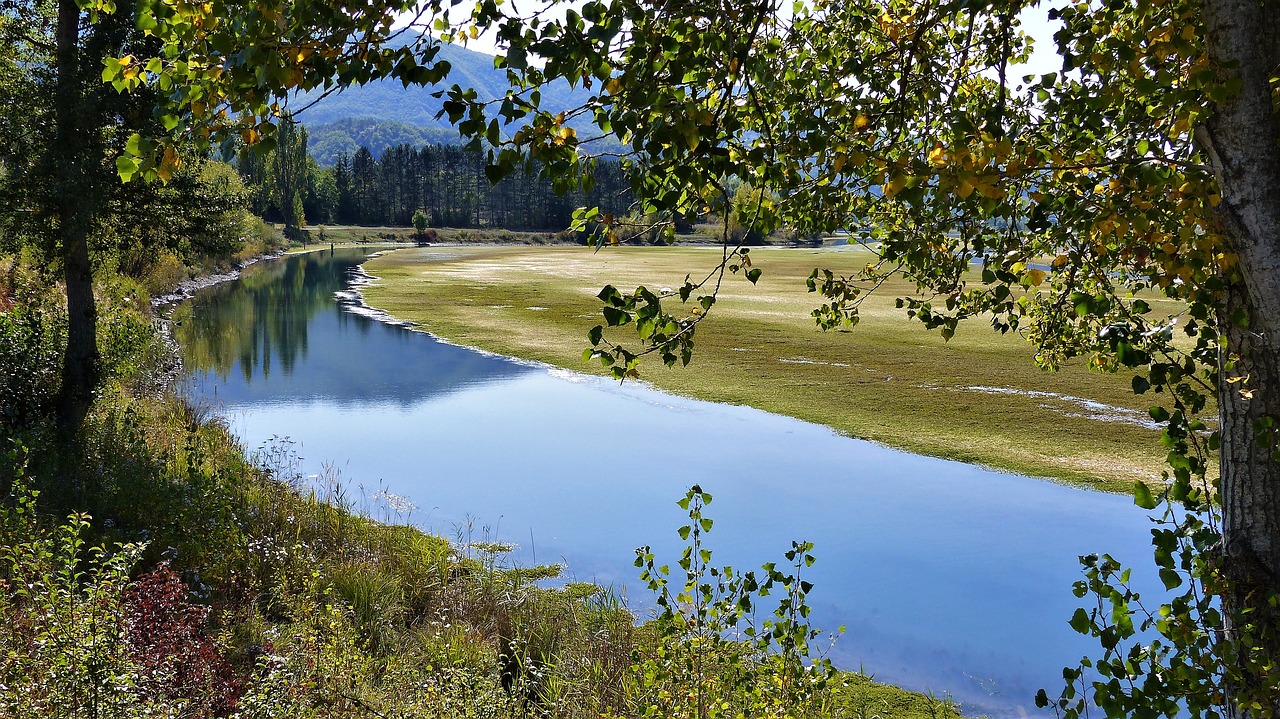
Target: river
<point>947,577</point>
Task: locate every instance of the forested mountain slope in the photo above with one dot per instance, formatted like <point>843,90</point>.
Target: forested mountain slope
<point>385,114</point>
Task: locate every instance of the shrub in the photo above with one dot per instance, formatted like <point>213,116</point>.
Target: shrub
<point>164,274</point>
<point>175,657</point>
<point>33,326</point>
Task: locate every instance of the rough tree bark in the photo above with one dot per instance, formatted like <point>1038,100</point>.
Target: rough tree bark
<point>80,367</point>
<point>1241,140</point>
<point>1250,552</point>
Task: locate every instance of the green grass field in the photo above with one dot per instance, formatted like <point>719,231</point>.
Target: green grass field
<point>978,398</point>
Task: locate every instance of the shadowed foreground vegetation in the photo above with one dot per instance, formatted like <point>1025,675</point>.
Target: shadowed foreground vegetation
<point>978,398</point>
<point>151,568</point>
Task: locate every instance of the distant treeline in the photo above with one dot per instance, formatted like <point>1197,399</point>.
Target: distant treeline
<point>447,183</point>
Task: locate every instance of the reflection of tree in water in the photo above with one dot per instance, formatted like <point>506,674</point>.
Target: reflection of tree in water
<point>262,318</point>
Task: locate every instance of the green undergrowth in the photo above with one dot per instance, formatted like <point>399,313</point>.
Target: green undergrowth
<point>150,566</point>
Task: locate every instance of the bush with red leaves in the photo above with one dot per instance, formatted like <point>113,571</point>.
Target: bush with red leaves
<point>175,656</point>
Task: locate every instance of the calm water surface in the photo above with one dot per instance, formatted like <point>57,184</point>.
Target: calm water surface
<point>947,577</point>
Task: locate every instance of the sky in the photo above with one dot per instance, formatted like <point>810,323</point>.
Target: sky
<point>1035,22</point>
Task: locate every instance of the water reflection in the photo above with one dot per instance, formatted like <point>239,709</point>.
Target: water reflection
<point>949,577</point>
<point>278,336</point>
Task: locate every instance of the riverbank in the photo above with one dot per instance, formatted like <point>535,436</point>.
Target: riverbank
<point>978,398</point>
<point>279,593</point>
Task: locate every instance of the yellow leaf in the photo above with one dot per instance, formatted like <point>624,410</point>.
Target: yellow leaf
<point>964,188</point>
<point>613,86</point>
<point>986,185</point>
<point>861,121</point>
<point>691,138</point>
<point>895,186</point>
<point>168,164</point>
<point>1060,261</point>
<point>1036,277</point>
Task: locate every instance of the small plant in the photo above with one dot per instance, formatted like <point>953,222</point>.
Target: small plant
<point>713,656</point>
<point>62,652</point>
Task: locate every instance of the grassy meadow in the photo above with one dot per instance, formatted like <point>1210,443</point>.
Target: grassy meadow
<point>978,398</point>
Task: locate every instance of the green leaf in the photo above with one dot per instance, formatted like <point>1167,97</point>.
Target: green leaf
<point>127,167</point>
<point>1080,621</point>
<point>1142,495</point>
<point>615,317</point>
<point>645,327</point>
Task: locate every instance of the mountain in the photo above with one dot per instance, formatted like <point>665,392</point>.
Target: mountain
<point>347,135</point>
<point>384,113</point>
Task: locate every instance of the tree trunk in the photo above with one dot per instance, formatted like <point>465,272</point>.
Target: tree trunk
<point>1250,487</point>
<point>1240,139</point>
<point>80,366</point>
